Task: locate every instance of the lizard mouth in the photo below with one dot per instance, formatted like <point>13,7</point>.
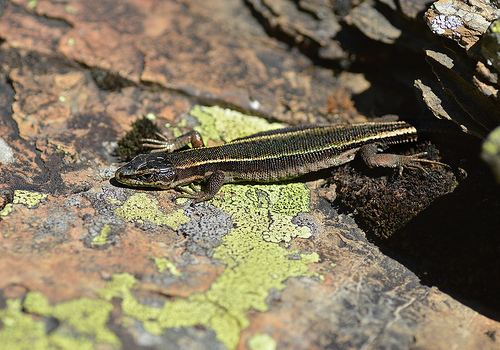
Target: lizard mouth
<point>124,177</point>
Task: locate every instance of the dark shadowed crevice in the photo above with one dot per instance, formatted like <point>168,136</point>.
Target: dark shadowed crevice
<point>6,100</point>
<point>306,46</point>
<point>51,21</point>
<point>109,81</point>
<point>454,244</point>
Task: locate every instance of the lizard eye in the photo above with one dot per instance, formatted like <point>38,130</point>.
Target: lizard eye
<point>166,173</point>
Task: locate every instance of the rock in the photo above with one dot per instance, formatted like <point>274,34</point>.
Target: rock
<point>88,264</point>
<point>461,21</point>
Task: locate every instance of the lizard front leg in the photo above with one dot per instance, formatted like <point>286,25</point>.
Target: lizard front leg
<point>192,137</point>
<point>209,188</point>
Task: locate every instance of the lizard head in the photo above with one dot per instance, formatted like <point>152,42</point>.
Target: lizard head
<point>147,170</point>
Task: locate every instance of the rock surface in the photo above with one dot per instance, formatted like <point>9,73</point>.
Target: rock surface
<point>88,264</point>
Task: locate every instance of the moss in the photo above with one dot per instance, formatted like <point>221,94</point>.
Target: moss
<point>163,264</point>
<point>261,341</point>
<point>131,145</point>
<point>141,208</point>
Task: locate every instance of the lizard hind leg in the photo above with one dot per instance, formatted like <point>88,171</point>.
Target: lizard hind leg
<point>415,161</point>
<point>387,160</point>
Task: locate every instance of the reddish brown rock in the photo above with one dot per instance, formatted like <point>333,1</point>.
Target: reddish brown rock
<point>75,76</point>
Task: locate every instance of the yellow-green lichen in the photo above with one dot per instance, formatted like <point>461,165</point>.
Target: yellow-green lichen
<point>113,201</point>
<point>7,209</point>
<point>254,266</point>
<point>275,201</point>
<point>120,286</point>
<point>32,4</point>
<point>490,45</point>
<point>87,317</point>
<point>176,218</point>
<point>219,124</point>
<point>495,26</point>
<point>21,331</point>
<point>103,236</point>
<point>28,198</point>
<point>151,116</point>
<point>163,264</point>
<point>70,9</point>
<point>491,152</point>
<point>261,341</point>
<point>141,208</point>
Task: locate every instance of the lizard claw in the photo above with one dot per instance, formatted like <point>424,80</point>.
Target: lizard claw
<point>415,161</point>
<point>158,145</point>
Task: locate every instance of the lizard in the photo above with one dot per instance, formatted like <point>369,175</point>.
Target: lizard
<point>267,156</point>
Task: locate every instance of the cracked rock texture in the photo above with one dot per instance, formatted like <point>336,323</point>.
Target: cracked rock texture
<point>85,264</point>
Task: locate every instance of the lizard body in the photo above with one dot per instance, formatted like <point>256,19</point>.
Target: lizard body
<point>267,156</point>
